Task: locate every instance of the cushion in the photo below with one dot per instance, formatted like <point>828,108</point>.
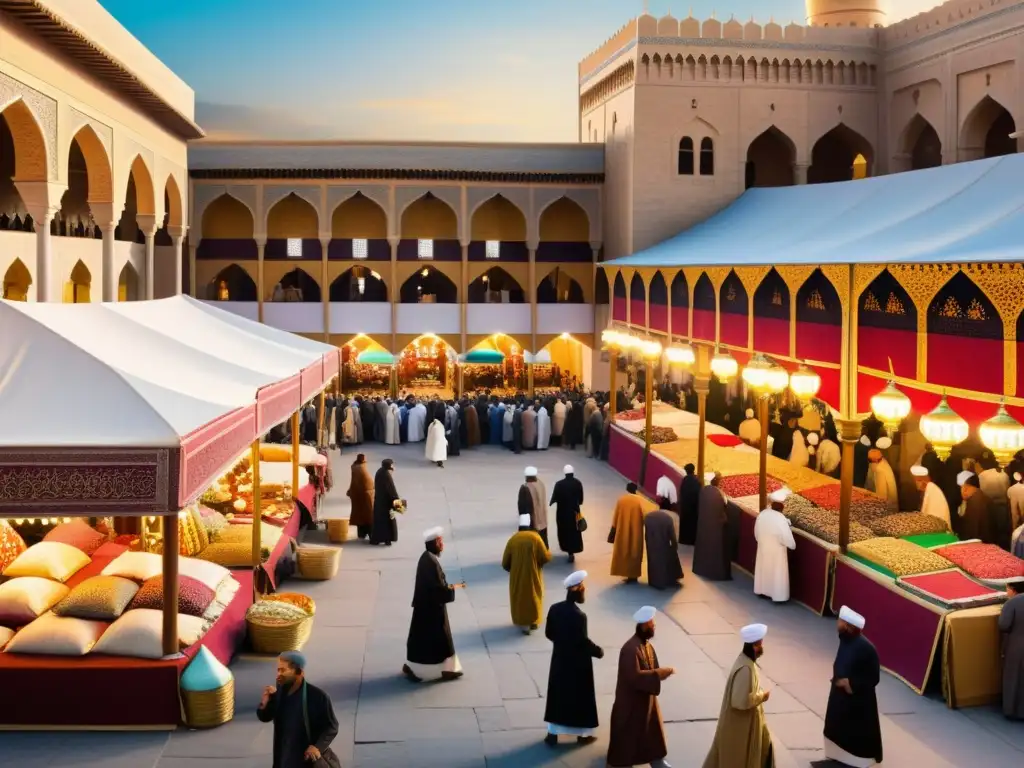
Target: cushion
<point>137,566</point>
<point>138,633</point>
<point>49,560</point>
<point>270,452</point>
<point>205,673</point>
<point>230,554</point>
<point>100,598</point>
<point>5,636</point>
<point>194,597</point>
<point>209,574</point>
<point>109,551</point>
<point>725,441</point>
<point>202,537</point>
<point>25,598</point>
<point>57,636</point>
<point>78,534</point>
<point>11,544</point>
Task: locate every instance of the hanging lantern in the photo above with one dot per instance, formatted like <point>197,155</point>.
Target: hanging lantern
<point>1002,434</point>
<point>943,428</point>
<point>724,366</point>
<point>890,406</point>
<point>649,348</point>
<point>805,383</point>
<point>681,354</point>
<point>755,374</point>
<point>778,379</point>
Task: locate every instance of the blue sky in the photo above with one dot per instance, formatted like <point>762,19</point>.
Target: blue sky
<point>460,70</point>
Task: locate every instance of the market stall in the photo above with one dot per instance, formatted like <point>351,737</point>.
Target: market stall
<point>427,367</point>
<point>366,369</point>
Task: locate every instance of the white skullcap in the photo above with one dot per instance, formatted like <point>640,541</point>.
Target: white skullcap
<point>750,413</point>
<point>963,477</point>
<point>851,617</point>
<point>1016,476</point>
<point>574,579</point>
<point>530,472</point>
<point>884,443</point>
<point>753,632</point>
<point>918,471</point>
<point>666,489</point>
<point>433,533</point>
<point>645,614</point>
<point>708,477</point>
<point>780,496</point>
<point>567,469</point>
<point>524,521</point>
<point>813,438</point>
<point>865,440</point>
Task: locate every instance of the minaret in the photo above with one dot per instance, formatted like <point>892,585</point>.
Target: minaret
<point>846,13</point>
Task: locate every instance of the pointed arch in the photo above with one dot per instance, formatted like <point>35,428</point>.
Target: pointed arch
<point>31,155</point>
<point>601,288</point>
<point>89,173</point>
<point>139,200</point>
<point>658,303</point>
<point>293,217</point>
<point>770,160</point>
<point>128,288</point>
<point>619,298</point>
<point>887,326</point>
<point>78,289</point>
<point>834,154</point>
<point>686,162</point>
<point>734,307</point>
<point>964,325</point>
<point>705,306</point>
<point>17,281</point>
<point>429,217</point>
<point>358,284</point>
<point>679,293</point>
<point>920,142</point>
<point>426,358</point>
<point>428,281</point>
<point>232,284</point>
<point>564,220</point>
<point>558,287</point>
<point>707,156</point>
<point>986,131</point>
<point>297,285</point>
<point>637,300</point>
<point>772,315</point>
<point>359,217</point>
<point>498,218</point>
<point>496,286</point>
<point>819,320</point>
<point>227,230</point>
<point>174,203</point>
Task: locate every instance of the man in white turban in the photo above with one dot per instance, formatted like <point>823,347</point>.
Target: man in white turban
<point>881,479</point>
<point>750,429</point>
<point>430,650</point>
<point>853,735</point>
<point>567,498</point>
<point>933,501</point>
<point>742,739</point>
<point>524,557</point>
<point>774,535</point>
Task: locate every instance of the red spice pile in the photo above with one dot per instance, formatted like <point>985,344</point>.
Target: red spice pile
<point>984,561</point>
<point>738,486</point>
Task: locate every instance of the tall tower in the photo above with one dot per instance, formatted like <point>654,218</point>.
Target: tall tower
<point>846,13</point>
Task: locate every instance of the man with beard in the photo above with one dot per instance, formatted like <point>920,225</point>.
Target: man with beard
<point>742,739</point>
<point>386,503</point>
<point>853,735</point>
<point>689,495</point>
<point>567,497</point>
<point>571,708</point>
<point>452,428</point>
<point>524,557</point>
<point>303,717</point>
<point>360,492</point>
<point>711,558</point>
<point>430,651</point>
<point>637,730</point>
<point>531,502</point>
<point>627,535</point>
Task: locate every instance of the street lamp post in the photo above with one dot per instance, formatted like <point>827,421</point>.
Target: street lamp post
<point>651,351</point>
<point>765,379</point>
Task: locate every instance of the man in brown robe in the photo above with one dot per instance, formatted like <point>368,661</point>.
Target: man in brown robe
<point>975,519</point>
<point>360,491</point>
<point>742,739</point>
<point>627,535</point>
<point>472,425</point>
<point>637,731</point>
<point>711,549</point>
<point>529,428</point>
<point>663,566</point>
<point>532,501</point>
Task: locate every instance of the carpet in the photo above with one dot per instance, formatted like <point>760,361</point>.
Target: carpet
<point>951,588</point>
<point>932,540</point>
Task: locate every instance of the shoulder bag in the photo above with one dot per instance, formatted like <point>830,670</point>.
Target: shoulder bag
<point>327,758</point>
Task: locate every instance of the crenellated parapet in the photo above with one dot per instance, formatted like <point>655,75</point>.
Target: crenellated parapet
<point>949,16</point>
<point>753,69</point>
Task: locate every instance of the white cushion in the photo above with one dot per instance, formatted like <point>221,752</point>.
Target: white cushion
<point>57,636</point>
<point>24,599</point>
<point>139,633</point>
<point>5,635</point>
<point>137,566</point>
<point>49,560</point>
<point>202,571</point>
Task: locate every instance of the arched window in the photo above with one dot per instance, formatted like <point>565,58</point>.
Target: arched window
<point>686,156</point>
<point>707,156</point>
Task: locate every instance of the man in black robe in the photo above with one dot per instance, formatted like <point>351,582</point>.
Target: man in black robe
<point>595,432</point>
<point>430,650</point>
<point>303,717</point>
<point>853,735</point>
<point>482,411</point>
<point>711,552</point>
<point>782,434</point>
<point>572,435</point>
<point>368,415</point>
<point>517,430</point>
<point>567,496</point>
<point>385,496</point>
<point>571,708</point>
<point>689,494</point>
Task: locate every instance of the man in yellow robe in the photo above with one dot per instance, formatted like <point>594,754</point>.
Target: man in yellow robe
<point>525,555</point>
<point>627,535</point>
<point>742,739</point>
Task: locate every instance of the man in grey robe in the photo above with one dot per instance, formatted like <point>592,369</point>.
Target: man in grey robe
<point>529,428</point>
<point>1011,625</point>
<point>711,551</point>
<point>663,566</point>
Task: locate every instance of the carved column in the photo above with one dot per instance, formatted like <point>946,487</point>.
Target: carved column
<point>42,201</point>
<point>463,303</point>
<point>177,236</point>
<point>261,245</point>
<point>800,173</point>
<point>147,223</point>
<point>849,434</point>
<point>325,291</point>
<point>103,215</point>
<point>396,297</point>
<point>192,270</point>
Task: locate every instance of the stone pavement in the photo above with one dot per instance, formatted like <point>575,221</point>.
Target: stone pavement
<point>494,715</point>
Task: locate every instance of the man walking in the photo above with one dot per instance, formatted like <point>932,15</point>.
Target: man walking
<point>853,735</point>
<point>525,555</point>
<point>531,502</point>
<point>430,650</point>
<point>567,497</point>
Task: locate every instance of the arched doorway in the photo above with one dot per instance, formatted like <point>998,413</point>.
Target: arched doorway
<point>429,286</point>
<point>496,286</point>
<point>922,145</point>
<point>637,301</point>
<point>986,131</point>
<point>679,291</point>
<point>619,300</point>
<point>88,179</point>
<point>128,284</point>
<point>657,309</point>
<point>139,200</point>
<point>819,331</point>
<point>357,218</point>
<point>705,307</point>
<point>17,281</point>
<point>365,367</point>
<point>78,289</point>
<point>601,292</point>
<point>559,288</point>
<point>430,231</point>
<point>23,156</point>
<point>771,315</point>
<point>226,231</point>
<point>297,285</point>
<point>564,230</point>
<point>561,365</point>
<point>293,227</point>
<point>427,367</point>
<point>842,154</point>
<point>887,327</point>
<point>359,284</point>
<point>232,284</point>
<point>770,160</point>
<point>498,231</point>
<point>735,306</point>
<point>497,364</point>
<point>965,338</point>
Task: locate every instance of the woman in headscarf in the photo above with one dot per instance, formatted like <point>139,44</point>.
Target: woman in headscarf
<point>385,505</point>
<point>360,491</point>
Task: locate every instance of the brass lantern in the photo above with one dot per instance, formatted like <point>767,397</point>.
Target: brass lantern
<point>943,428</point>
<point>890,406</point>
<point>724,366</point>
<point>805,383</point>
<point>1002,434</point>
<point>680,354</point>
<point>757,372</point>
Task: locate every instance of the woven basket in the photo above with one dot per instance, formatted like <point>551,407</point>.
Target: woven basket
<point>280,637</point>
<point>208,709</point>
<point>319,563</point>
<point>337,531</point>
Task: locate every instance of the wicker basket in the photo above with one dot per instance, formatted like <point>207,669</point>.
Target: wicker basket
<point>280,637</point>
<point>337,531</point>
<point>208,709</point>
<point>319,563</point>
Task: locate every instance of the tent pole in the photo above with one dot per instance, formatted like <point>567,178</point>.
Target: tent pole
<point>170,571</point>
<point>320,416</point>
<point>295,455</point>
<point>257,513</point>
